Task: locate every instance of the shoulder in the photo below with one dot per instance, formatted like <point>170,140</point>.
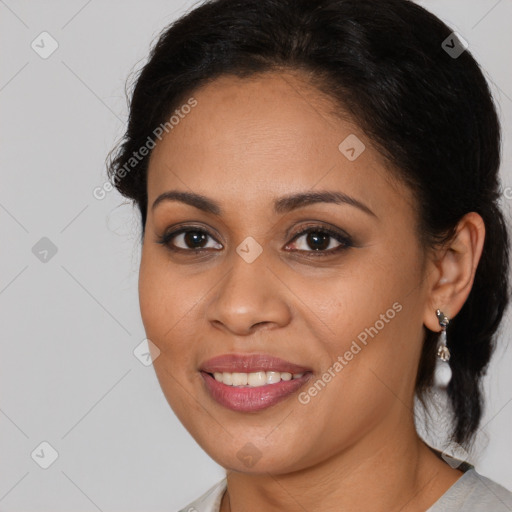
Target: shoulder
<point>473,492</point>
<point>209,501</point>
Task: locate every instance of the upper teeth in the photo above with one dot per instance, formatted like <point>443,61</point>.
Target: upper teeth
<point>254,379</point>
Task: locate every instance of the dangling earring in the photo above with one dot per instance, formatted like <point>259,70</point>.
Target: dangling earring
<point>443,372</point>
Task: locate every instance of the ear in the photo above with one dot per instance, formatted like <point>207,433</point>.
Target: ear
<point>452,270</point>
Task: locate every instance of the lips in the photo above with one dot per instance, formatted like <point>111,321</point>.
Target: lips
<point>249,398</point>
<point>252,399</point>
<point>248,363</point>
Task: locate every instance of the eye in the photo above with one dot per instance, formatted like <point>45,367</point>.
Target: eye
<point>321,241</point>
<point>317,240</point>
<point>188,239</point>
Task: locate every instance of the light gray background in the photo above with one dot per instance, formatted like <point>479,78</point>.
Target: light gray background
<point>69,326</point>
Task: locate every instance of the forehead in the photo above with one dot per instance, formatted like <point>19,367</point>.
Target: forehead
<point>266,136</point>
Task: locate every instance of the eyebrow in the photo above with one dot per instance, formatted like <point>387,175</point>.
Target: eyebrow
<point>282,205</point>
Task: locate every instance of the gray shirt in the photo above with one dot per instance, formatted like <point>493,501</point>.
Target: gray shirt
<point>472,492</point>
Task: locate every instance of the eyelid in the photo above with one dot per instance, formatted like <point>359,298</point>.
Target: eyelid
<point>320,226</point>
<point>185,226</point>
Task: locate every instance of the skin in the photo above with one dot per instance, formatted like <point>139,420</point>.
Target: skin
<point>354,445</point>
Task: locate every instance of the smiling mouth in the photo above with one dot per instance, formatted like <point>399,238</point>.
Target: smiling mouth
<point>254,379</point>
<point>245,398</point>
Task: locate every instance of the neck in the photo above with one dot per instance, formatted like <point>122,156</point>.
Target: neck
<point>402,474</point>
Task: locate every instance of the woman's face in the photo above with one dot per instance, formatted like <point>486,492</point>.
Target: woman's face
<point>246,280</point>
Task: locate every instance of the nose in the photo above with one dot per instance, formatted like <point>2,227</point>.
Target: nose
<point>248,298</point>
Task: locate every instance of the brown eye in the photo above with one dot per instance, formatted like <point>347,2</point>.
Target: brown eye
<point>187,239</point>
<point>320,240</point>
<point>194,239</point>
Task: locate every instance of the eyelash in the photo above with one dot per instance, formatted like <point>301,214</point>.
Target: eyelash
<point>343,239</point>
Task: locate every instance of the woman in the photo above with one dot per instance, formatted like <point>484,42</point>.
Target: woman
<point>321,243</point>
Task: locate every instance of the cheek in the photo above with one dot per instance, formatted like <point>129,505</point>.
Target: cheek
<point>158,291</point>
<point>163,305</point>
<point>359,305</point>
<point>170,305</point>
<point>153,309</point>
<point>166,315</point>
<point>374,317</point>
